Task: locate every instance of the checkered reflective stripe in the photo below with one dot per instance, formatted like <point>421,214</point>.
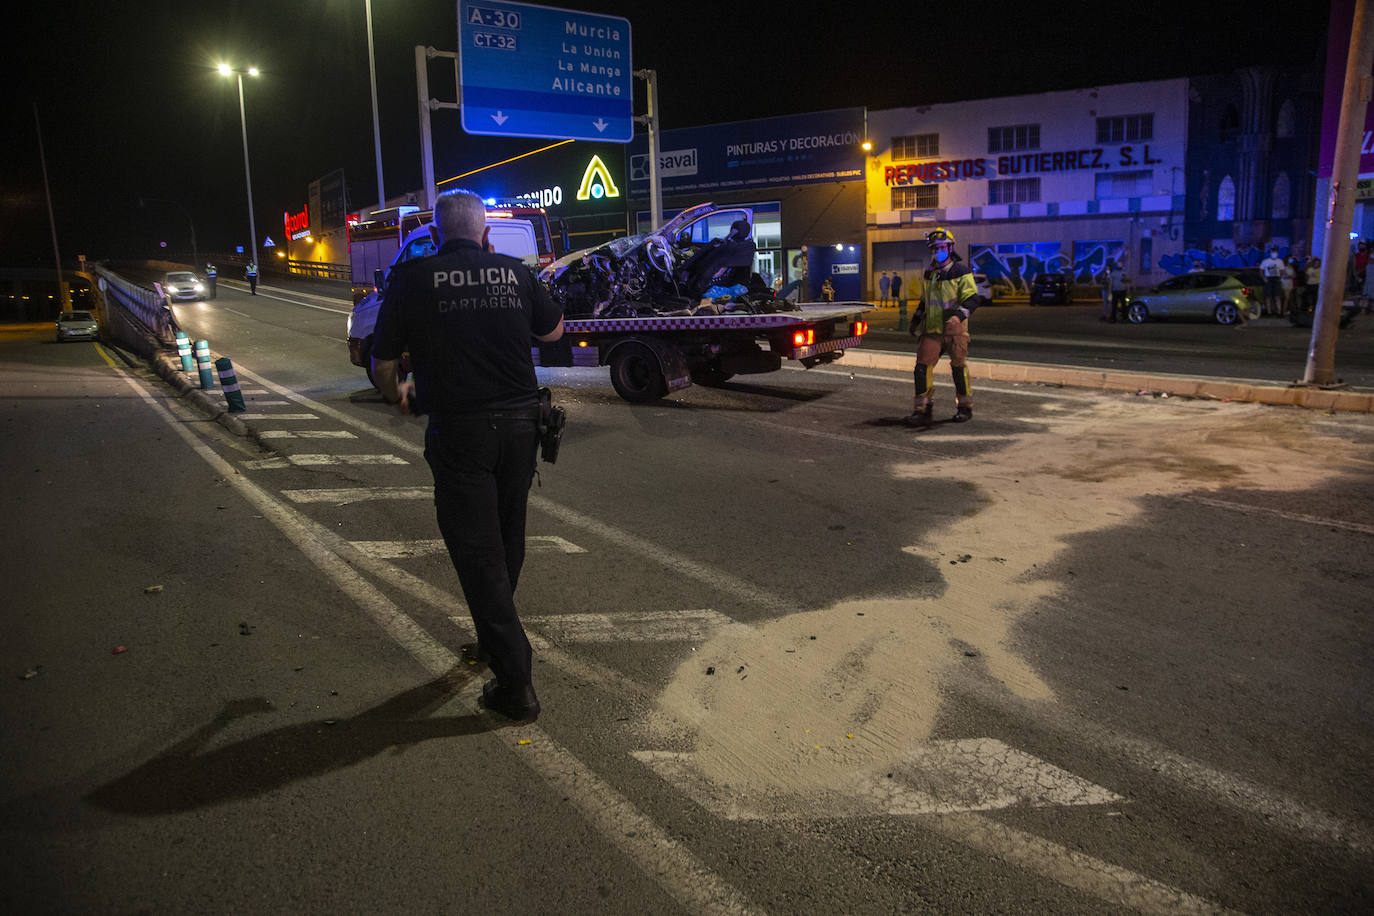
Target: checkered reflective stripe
<point>682,323</point>
<point>825,346</point>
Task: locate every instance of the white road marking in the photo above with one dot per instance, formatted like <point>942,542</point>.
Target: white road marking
<point>343,495</point>
<point>905,379</point>
<point>266,295</point>
<point>237,312</point>
<point>306,434</point>
<point>632,626</point>
<point>658,855</point>
<point>257,403</point>
<point>310,461</point>
<point>276,416</point>
<point>423,547</point>
<point>1279,513</point>
<point>1222,787</point>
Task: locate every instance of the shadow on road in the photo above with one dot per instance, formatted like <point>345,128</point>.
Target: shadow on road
<point>188,777</point>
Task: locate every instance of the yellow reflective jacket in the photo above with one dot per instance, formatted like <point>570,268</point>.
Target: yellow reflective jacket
<point>944,291</point>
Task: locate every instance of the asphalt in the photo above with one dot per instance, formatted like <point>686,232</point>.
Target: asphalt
<point>1358,400</point>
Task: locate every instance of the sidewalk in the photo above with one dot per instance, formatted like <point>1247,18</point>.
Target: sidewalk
<point>1217,389</point>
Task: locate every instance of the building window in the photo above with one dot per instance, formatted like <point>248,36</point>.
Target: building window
<point>1014,191</point>
<point>1226,200</point>
<point>1281,192</point>
<point>1126,128</point>
<point>1283,125</point>
<point>1010,139</point>
<point>1114,185</point>
<point>915,146</point>
<point>919,197</point>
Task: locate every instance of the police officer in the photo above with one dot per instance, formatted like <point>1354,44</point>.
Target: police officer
<point>250,273</point>
<point>210,279</point>
<point>949,296</point>
<point>467,315</point>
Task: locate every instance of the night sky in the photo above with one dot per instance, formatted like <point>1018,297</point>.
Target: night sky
<point>131,106</point>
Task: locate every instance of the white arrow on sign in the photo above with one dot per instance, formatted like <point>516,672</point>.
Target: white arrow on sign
<point>600,125</point>
<point>499,118</point>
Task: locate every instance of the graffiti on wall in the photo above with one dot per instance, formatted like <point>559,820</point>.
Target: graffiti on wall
<point>1016,264</point>
<point>1221,255</point>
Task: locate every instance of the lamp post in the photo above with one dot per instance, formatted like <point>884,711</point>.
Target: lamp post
<point>376,124</point>
<point>225,70</point>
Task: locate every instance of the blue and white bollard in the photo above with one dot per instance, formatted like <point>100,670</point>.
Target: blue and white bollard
<point>184,351</point>
<point>207,375</point>
<point>229,384</point>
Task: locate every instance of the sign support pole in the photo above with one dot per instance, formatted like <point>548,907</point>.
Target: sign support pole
<point>650,78</point>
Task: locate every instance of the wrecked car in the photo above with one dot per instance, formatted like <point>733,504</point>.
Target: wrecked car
<point>679,269</point>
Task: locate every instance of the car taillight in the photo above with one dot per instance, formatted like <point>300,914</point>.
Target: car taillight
<point>1245,291</point>
<point>804,338</point>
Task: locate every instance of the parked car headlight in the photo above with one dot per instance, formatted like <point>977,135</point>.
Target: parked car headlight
<point>200,287</point>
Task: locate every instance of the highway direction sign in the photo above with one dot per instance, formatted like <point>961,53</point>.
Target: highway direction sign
<point>537,71</point>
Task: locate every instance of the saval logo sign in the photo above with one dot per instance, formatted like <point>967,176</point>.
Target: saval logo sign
<point>671,164</point>
<point>596,182</point>
<point>844,268</point>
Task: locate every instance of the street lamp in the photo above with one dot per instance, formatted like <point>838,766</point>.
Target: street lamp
<point>376,124</point>
<point>225,70</point>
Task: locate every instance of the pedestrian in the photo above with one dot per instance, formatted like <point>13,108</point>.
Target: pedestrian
<point>250,273</point>
<point>1105,278</point>
<point>211,276</point>
<point>828,290</point>
<point>897,291</point>
<point>1290,273</point>
<point>1313,270</point>
<point>949,296</point>
<point>1120,285</point>
<point>1361,264</point>
<point>884,287</point>
<point>1271,268</point>
<point>466,316</point>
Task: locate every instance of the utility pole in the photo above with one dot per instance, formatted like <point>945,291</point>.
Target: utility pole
<point>1321,355</point>
<point>63,294</point>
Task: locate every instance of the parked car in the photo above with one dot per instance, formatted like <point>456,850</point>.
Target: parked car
<point>1223,296</point>
<point>183,286</point>
<point>77,326</point>
<point>1053,288</point>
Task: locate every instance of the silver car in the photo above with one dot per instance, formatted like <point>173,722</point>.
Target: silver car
<point>1217,295</point>
<point>183,286</point>
<point>77,326</point>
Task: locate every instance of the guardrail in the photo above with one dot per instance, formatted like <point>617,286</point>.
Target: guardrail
<point>135,316</point>
<point>319,269</point>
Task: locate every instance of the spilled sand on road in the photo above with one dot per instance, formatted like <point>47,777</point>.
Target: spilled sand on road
<point>818,700</point>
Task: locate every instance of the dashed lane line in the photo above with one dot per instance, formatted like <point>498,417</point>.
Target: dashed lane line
<point>654,851</point>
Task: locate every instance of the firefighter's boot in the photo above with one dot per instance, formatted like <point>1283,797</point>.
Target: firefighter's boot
<point>962,414</point>
<point>922,417</point>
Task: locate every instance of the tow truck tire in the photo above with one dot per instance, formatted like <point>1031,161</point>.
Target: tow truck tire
<point>367,360</point>
<point>710,376</point>
<point>636,374</point>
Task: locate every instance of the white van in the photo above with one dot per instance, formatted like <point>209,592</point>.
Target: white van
<point>507,235</point>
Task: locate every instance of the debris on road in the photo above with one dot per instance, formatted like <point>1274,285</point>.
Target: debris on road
<point>30,674</point>
<point>153,590</point>
<point>119,650</point>
<point>246,629</point>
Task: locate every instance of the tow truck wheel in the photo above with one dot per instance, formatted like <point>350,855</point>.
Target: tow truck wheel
<point>636,375</point>
<point>710,376</point>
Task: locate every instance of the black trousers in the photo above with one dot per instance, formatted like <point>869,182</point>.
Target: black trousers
<point>483,465</point>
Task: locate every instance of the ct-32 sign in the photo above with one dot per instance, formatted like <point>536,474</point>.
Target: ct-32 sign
<point>536,71</point>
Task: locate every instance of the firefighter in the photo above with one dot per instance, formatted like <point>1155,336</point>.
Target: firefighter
<point>210,275</point>
<point>949,296</point>
<point>250,273</point>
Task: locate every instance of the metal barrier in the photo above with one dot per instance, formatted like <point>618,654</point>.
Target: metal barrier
<point>135,316</point>
<point>319,269</point>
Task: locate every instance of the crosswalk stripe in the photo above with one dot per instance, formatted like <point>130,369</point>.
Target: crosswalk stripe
<point>343,495</point>
<point>276,416</point>
<point>423,547</point>
<point>310,461</point>
<point>257,403</point>
<point>632,626</point>
<point>306,434</point>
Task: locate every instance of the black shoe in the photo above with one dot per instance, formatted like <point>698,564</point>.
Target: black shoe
<point>920,418</point>
<point>518,703</point>
<point>962,415</point>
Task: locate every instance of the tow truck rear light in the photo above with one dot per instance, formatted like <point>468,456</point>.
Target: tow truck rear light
<point>581,343</point>
<point>804,338</point>
<point>860,328</point>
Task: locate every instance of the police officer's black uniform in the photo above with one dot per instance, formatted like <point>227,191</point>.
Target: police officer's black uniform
<point>467,316</point>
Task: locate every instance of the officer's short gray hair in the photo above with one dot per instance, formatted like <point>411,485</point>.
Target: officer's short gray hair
<point>460,214</point>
